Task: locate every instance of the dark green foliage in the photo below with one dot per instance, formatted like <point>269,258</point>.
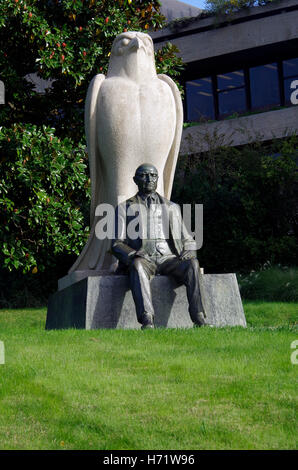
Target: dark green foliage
<point>274,283</point>
<point>250,204</point>
<point>44,209</point>
<point>167,62</point>
<point>44,194</point>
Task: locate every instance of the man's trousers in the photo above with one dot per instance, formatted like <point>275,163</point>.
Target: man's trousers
<point>184,272</point>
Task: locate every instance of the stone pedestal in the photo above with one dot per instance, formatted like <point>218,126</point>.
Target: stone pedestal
<point>105,301</point>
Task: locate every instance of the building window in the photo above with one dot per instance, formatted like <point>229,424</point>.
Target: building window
<point>261,87</point>
<point>231,93</point>
<point>264,86</point>
<point>200,100</point>
<point>290,73</point>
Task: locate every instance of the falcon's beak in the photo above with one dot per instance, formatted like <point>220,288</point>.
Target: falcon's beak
<point>135,44</point>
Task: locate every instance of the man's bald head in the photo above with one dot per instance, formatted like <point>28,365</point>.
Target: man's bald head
<point>146,178</point>
<point>146,167</point>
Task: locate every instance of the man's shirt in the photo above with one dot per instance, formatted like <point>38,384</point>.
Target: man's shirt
<point>156,243</point>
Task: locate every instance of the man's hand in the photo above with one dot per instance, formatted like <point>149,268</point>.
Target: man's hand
<point>188,254</point>
<point>142,254</point>
<point>131,257</point>
<point>137,254</point>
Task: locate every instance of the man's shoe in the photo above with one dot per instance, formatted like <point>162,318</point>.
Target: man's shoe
<point>147,326</point>
<point>148,322</point>
<point>200,320</point>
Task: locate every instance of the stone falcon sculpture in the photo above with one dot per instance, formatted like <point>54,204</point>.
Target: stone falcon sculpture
<point>132,115</point>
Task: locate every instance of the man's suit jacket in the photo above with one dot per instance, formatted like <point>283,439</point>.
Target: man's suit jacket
<point>124,246</point>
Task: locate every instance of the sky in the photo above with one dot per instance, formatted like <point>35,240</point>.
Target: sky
<point>195,3</point>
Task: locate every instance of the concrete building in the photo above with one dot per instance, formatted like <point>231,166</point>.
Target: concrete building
<point>241,75</point>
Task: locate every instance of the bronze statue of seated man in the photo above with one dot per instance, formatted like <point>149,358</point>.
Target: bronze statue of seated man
<point>167,248</point>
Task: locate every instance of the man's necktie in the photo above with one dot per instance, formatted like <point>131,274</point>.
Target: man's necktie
<point>150,244</point>
<point>149,201</point>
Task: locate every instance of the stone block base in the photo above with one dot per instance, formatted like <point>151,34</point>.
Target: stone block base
<point>106,302</point>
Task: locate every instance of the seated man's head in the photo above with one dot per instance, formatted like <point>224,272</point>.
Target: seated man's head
<point>146,178</point>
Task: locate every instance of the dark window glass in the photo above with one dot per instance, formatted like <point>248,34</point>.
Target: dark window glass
<point>288,90</point>
<point>233,101</point>
<point>264,86</point>
<point>230,80</point>
<point>290,67</point>
<point>199,98</point>
<point>231,92</point>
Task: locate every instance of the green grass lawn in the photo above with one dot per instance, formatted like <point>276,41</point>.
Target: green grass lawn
<point>208,388</point>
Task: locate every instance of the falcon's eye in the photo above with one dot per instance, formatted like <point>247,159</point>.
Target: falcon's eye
<point>124,42</point>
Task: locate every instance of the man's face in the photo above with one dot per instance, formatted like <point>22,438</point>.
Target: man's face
<point>146,178</point>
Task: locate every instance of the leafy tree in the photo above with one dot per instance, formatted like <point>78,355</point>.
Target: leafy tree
<point>250,203</point>
<point>43,196</point>
<point>67,42</point>
<point>231,6</point>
